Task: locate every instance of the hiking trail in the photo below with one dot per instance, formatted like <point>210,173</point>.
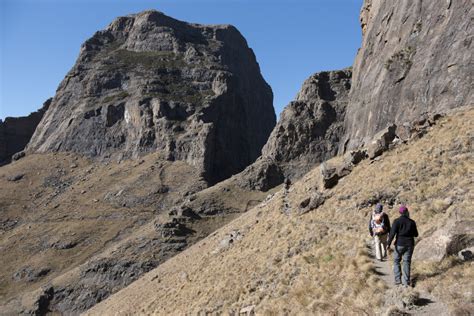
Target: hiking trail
<point>402,298</point>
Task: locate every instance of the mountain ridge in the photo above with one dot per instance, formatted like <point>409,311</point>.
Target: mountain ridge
<point>152,157</point>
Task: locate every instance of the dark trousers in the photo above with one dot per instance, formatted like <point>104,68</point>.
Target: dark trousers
<point>402,253</point>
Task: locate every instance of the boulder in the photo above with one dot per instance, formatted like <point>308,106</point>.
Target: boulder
<point>187,213</point>
<point>309,204</point>
<point>304,203</point>
<point>7,224</point>
<point>449,240</point>
<point>355,156</point>
<point>63,244</point>
<point>228,241</point>
<point>466,254</point>
<point>332,173</point>
<point>247,310</point>
<point>404,131</point>
<point>18,155</point>
<point>344,168</point>
<point>329,175</point>
<point>381,141</point>
<point>172,228</point>
<point>16,177</point>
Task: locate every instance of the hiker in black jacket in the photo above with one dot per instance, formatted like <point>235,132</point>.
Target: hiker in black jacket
<point>379,227</point>
<point>405,230</point>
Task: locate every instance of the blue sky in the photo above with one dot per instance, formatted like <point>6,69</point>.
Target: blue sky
<point>292,39</point>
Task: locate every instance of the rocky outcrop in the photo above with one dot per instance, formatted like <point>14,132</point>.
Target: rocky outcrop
<point>381,141</point>
<point>416,58</point>
<point>308,132</point>
<point>311,127</point>
<point>262,175</point>
<point>149,83</point>
<point>388,98</point>
<point>449,240</point>
<point>16,132</point>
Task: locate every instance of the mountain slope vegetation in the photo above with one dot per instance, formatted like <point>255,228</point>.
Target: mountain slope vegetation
<point>276,258</point>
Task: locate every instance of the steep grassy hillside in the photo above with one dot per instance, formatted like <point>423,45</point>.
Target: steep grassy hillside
<point>276,259</point>
<point>80,230</point>
<point>63,209</point>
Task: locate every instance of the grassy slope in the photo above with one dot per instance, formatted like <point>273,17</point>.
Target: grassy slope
<point>318,262</point>
<point>63,198</point>
<point>76,212</point>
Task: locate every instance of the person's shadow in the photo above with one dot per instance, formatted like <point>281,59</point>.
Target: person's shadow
<point>423,301</point>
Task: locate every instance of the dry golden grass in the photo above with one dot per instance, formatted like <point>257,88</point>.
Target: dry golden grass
<point>80,211</point>
<point>316,263</point>
<point>451,281</point>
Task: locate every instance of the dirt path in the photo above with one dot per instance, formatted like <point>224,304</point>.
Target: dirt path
<point>397,296</point>
<point>382,268</point>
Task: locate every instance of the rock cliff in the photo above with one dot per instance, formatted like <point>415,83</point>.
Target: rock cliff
<point>16,132</point>
<point>416,57</point>
<point>311,127</point>
<point>192,93</point>
<point>151,83</point>
<point>309,131</point>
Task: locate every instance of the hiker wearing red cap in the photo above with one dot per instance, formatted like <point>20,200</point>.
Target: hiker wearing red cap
<point>405,230</point>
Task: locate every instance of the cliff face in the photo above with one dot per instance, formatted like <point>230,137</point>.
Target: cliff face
<point>416,57</point>
<point>311,127</point>
<point>152,83</point>
<point>309,131</point>
<point>16,132</point>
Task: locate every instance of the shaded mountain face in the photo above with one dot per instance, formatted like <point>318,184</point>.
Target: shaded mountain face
<point>310,127</point>
<point>152,83</point>
<point>16,132</point>
<point>416,57</point>
<point>309,131</point>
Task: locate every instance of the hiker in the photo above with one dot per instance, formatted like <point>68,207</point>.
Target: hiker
<point>405,230</point>
<point>379,227</point>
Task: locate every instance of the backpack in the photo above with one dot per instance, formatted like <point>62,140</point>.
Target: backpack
<point>378,223</point>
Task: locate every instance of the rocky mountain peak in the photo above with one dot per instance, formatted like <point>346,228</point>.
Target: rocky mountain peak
<point>148,83</point>
<point>309,131</point>
<point>325,86</point>
<point>310,127</point>
<point>77,231</point>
